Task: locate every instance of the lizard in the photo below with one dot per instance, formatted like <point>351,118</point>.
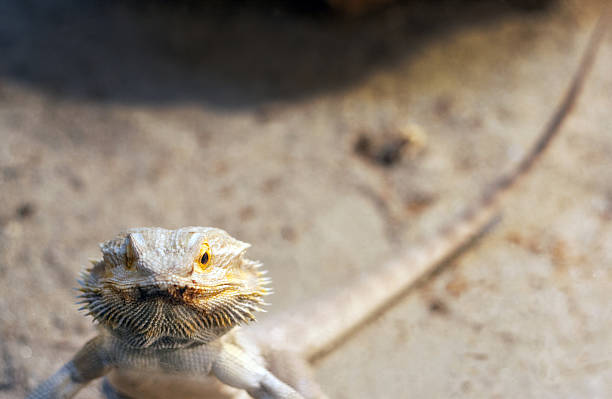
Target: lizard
<point>171,304</point>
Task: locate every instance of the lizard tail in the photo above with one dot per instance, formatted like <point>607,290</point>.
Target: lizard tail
<point>325,323</point>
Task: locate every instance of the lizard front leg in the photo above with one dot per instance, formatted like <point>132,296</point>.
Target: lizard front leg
<point>88,364</point>
<point>236,368</point>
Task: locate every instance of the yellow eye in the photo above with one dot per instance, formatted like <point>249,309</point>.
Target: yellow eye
<point>205,257</point>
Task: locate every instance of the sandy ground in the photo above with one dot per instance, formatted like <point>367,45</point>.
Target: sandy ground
<point>117,115</point>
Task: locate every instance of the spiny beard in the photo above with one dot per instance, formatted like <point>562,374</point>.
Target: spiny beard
<point>161,318</point>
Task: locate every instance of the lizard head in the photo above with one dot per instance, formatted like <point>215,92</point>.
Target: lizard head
<point>173,288</point>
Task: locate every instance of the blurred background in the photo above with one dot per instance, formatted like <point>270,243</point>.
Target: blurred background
<point>328,135</point>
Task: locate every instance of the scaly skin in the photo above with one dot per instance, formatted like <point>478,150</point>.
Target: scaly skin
<point>169,303</point>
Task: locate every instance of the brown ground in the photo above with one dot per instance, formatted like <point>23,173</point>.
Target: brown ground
<point>116,115</point>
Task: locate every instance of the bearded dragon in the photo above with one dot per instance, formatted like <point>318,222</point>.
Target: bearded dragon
<point>170,303</point>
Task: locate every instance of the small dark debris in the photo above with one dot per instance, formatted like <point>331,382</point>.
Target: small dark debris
<point>418,203</point>
<point>26,210</point>
<point>391,152</point>
<point>387,153</point>
<point>363,145</point>
<point>76,183</point>
<point>438,306</point>
<point>58,322</point>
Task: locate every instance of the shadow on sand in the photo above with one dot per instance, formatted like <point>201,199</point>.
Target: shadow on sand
<point>226,54</point>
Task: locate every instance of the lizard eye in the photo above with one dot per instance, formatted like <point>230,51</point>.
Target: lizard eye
<point>204,257</point>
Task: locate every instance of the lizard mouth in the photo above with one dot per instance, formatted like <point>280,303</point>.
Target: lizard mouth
<point>173,294</point>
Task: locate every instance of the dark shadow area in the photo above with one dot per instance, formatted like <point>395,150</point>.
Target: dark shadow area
<point>227,54</point>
